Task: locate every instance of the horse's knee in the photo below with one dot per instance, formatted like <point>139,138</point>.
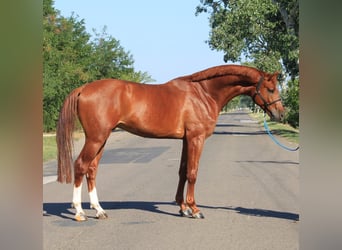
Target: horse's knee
<point>191,177</point>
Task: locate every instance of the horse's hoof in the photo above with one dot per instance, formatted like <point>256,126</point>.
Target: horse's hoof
<point>81,217</point>
<point>186,213</point>
<point>198,215</point>
<point>102,216</point>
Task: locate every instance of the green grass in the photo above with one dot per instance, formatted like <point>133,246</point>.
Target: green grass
<point>284,130</point>
<point>49,148</point>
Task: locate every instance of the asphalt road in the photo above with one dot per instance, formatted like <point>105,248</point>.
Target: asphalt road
<point>247,189</point>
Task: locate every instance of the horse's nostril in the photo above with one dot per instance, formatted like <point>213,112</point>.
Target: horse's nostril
<point>282,117</point>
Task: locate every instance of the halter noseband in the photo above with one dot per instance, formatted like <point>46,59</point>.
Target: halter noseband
<point>265,103</point>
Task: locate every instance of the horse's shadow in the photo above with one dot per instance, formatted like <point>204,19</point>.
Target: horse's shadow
<point>63,210</point>
<point>259,212</point>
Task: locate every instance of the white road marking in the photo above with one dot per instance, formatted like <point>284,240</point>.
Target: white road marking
<point>48,179</point>
<point>248,121</point>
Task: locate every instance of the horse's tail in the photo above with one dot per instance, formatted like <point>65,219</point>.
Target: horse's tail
<point>65,128</point>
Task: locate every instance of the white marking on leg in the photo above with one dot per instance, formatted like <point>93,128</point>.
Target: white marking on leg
<point>77,203</point>
<point>93,197</point>
<point>94,203</point>
<point>76,197</point>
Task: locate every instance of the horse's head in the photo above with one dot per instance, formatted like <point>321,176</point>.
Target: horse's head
<point>267,96</point>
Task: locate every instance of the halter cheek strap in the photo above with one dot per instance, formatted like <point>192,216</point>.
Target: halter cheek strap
<point>265,103</point>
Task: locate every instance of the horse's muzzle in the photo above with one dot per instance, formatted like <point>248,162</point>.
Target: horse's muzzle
<point>278,116</point>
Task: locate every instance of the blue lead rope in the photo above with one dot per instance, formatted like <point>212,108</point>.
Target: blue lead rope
<point>274,139</point>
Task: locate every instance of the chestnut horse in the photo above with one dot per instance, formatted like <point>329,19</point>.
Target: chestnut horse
<point>184,108</point>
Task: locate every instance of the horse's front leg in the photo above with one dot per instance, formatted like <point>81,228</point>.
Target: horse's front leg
<point>184,209</point>
<point>195,146</point>
<point>91,176</point>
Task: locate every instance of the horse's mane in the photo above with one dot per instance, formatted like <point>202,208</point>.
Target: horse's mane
<point>222,70</point>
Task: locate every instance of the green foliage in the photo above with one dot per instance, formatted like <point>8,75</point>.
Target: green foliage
<point>246,102</point>
<point>262,32</point>
<point>109,59</point>
<point>291,101</point>
<point>65,53</point>
<point>255,29</point>
<point>233,104</point>
<point>71,59</point>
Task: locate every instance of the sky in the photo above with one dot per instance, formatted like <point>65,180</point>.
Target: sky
<point>165,38</point>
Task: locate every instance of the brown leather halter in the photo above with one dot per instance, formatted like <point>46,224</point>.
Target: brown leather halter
<point>265,104</point>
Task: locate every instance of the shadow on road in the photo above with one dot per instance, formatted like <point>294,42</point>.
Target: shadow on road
<point>63,209</point>
<point>271,162</point>
<point>259,212</point>
<point>239,133</point>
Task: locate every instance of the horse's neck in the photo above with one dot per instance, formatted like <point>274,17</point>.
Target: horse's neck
<point>224,89</point>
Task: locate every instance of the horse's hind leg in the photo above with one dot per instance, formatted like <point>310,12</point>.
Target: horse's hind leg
<point>76,203</point>
<point>91,176</point>
<point>88,154</point>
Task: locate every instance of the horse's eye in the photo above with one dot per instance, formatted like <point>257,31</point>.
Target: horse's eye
<point>271,91</point>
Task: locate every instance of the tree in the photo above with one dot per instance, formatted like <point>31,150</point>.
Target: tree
<point>65,53</point>
<point>110,60</point>
<point>263,33</point>
<point>71,58</point>
<point>247,102</point>
<point>254,29</point>
<point>291,101</point>
<point>233,104</point>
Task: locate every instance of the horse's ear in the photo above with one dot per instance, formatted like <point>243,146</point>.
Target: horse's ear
<point>274,76</point>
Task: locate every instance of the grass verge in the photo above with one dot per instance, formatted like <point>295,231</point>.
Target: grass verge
<point>50,146</point>
<point>284,130</point>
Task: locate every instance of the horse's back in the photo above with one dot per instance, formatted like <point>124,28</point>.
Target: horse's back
<point>136,93</point>
<point>132,88</point>
<point>143,109</point>
<point>103,87</point>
